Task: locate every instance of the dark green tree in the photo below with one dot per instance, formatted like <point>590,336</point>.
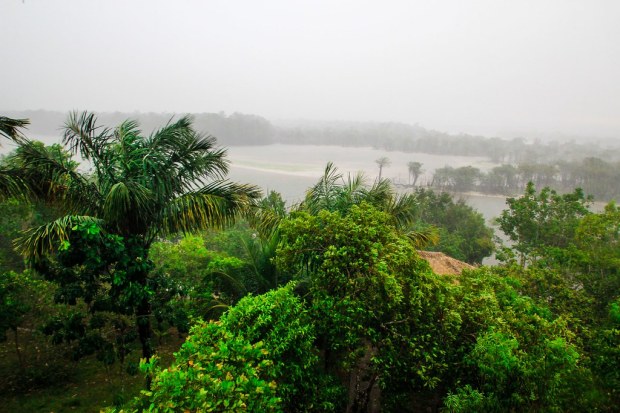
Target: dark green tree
<point>513,354</point>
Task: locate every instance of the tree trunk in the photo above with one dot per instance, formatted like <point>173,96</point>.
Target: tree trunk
<point>18,351</point>
<point>143,314</point>
<point>364,392</point>
<point>143,320</point>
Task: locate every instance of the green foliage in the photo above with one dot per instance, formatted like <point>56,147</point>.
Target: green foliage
<point>465,400</point>
<point>517,353</point>
<point>185,290</point>
<point>536,221</point>
<point>573,270</point>
<point>606,356</point>
<point>597,255</point>
<point>259,357</point>
<point>208,273</point>
<point>461,179</point>
<point>10,128</point>
<point>14,300</point>
<point>333,193</point>
<point>215,371</point>
<point>462,231</point>
<point>15,215</point>
<point>377,306</point>
<point>100,275</point>
<point>280,320</point>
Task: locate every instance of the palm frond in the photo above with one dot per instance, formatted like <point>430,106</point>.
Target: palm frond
<point>54,179</point>
<point>126,201</point>
<point>324,193</point>
<point>10,128</point>
<point>214,205</point>
<point>229,279</point>
<point>12,183</point>
<point>350,192</point>
<point>267,215</point>
<point>423,238</point>
<point>379,193</point>
<point>182,158</point>
<point>167,136</point>
<point>403,208</point>
<point>84,137</point>
<point>36,241</point>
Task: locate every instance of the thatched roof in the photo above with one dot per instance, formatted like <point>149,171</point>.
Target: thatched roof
<point>443,265</point>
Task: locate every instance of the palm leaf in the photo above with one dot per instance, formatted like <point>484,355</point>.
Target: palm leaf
<point>54,179</point>
<point>36,241</point>
<point>10,128</point>
<point>324,193</point>
<point>379,193</point>
<point>12,183</point>
<point>265,220</point>
<point>180,159</point>
<point>122,202</point>
<point>402,208</point>
<point>84,137</point>
<point>423,238</point>
<point>214,205</point>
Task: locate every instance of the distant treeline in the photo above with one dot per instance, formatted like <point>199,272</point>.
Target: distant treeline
<point>243,129</point>
<point>414,138</point>
<point>234,129</point>
<point>596,177</point>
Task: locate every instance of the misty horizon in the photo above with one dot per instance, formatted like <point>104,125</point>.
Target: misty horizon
<point>532,69</point>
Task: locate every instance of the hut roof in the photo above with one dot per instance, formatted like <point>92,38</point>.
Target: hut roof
<point>444,265</point>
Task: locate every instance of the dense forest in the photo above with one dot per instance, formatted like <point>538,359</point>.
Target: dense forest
<point>152,283</point>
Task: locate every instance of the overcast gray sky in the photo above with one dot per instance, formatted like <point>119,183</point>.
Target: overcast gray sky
<point>484,66</point>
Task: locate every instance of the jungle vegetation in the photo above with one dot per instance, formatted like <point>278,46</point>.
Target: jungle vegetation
<point>324,306</point>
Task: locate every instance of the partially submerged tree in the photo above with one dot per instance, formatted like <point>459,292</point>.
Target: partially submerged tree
<point>383,162</point>
<point>415,170</point>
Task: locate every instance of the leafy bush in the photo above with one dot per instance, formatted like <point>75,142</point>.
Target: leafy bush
<point>215,370</point>
<point>259,357</point>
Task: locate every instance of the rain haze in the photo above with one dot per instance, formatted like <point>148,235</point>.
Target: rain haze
<point>497,68</point>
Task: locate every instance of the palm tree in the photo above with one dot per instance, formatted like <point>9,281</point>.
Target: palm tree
<point>333,193</point>
<point>415,170</point>
<point>140,188</point>
<point>383,161</point>
<point>11,183</point>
